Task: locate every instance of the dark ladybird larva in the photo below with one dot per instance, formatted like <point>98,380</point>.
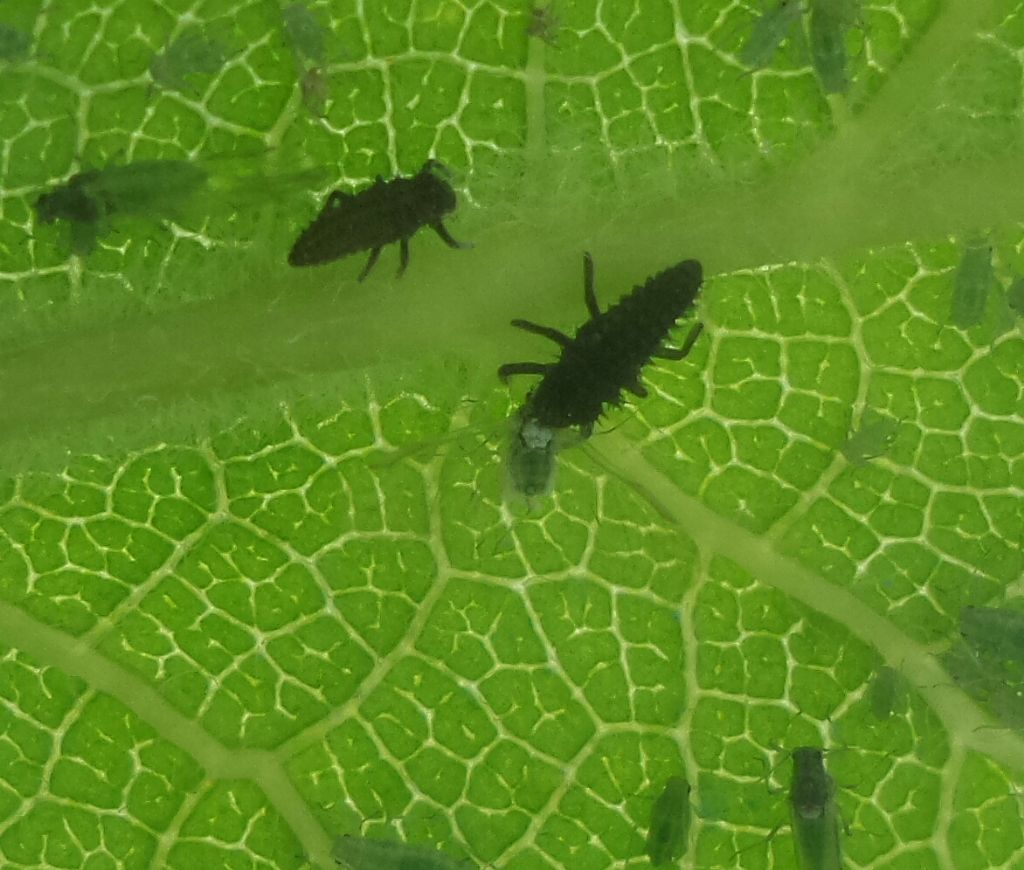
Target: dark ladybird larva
<point>609,350</point>
<point>386,212</point>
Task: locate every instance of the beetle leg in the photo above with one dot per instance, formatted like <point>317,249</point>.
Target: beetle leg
<point>374,254</point>
<point>522,368</point>
<point>546,331</point>
<point>403,256</point>
<point>684,351</point>
<point>588,286</point>
<point>446,237</point>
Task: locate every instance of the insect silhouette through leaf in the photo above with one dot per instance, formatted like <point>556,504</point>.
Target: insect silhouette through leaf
<point>386,212</point>
<point>608,351</point>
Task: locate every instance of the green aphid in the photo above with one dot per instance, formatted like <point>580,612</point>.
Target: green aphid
<point>668,833</point>
<point>306,34</point>
<point>1015,297</point>
<point>193,52</point>
<point>316,91</point>
<point>887,693</point>
<point>813,813</point>
<point>971,285</point>
<point>363,853</point>
<point>155,189</point>
<point>829,22</point>
<point>871,440</point>
<point>15,44</point>
<point>996,632</point>
<point>770,29</point>
<point>993,681</point>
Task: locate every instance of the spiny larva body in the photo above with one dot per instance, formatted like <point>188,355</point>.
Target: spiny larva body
<point>872,439</point>
<point>668,832</point>
<point>146,188</point>
<point>609,350</point>
<point>770,29</point>
<point>971,285</point>
<point>386,212</point>
<point>363,853</point>
<point>813,813</point>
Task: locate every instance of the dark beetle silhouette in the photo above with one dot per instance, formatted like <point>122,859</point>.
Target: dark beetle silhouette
<point>609,350</point>
<point>386,212</point>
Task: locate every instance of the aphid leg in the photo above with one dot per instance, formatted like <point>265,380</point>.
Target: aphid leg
<point>446,237</point>
<point>684,351</point>
<point>546,331</point>
<point>588,286</point>
<point>403,256</point>
<point>374,254</point>
<point>522,368</point>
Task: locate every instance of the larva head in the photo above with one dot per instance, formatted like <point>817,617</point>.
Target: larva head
<point>435,193</point>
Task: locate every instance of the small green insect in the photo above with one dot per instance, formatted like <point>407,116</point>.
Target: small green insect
<point>147,188</point>
<point>530,461</point>
<point>193,52</point>
<point>1015,296</point>
<point>872,439</point>
<point>316,91</point>
<point>971,285</point>
<point>829,22</point>
<point>668,833</point>
<point>887,693</point>
<point>989,672</point>
<point>544,24</point>
<point>307,35</point>
<point>770,29</point>
<point>813,813</point>
<point>363,853</point>
<point>15,44</point>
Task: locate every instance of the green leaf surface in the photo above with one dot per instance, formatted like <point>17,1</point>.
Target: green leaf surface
<point>259,587</point>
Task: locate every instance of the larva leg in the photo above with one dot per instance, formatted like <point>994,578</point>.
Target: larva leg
<point>546,331</point>
<point>403,256</point>
<point>588,286</point>
<point>446,237</point>
<point>637,388</point>
<point>684,351</point>
<point>521,368</point>
<point>374,254</point>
